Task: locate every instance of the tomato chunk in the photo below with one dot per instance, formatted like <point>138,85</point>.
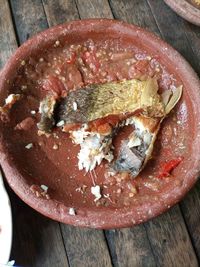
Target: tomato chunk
<point>72,58</point>
<point>169,166</point>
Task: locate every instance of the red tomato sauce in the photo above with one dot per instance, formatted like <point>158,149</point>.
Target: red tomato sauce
<point>61,68</point>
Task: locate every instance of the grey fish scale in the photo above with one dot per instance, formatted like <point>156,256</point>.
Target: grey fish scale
<point>83,98</point>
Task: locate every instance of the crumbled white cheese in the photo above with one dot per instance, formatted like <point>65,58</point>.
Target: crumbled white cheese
<point>75,106</point>
<point>72,211</point>
<point>60,123</point>
<point>44,187</point>
<point>33,112</point>
<point>96,191</point>
<point>29,146</point>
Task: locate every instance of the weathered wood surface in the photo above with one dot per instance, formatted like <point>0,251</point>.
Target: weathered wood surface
<point>37,241</point>
<point>60,11</point>
<point>185,37</point>
<point>8,42</point>
<point>169,240</point>
<point>29,18</point>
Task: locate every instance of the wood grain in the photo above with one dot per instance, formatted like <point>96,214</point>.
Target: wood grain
<point>8,42</point>
<point>180,36</point>
<point>94,9</point>
<point>191,212</point>
<point>29,18</point>
<point>169,238</point>
<point>162,242</point>
<point>136,12</point>
<point>130,247</point>
<point>140,14</point>
<point>192,33</point>
<point>85,247</point>
<point>37,241</point>
<point>60,11</point>
<point>187,42</point>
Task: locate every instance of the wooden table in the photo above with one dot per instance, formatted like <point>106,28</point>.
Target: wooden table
<point>172,239</point>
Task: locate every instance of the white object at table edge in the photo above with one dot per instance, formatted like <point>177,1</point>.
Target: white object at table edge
<point>5,224</point>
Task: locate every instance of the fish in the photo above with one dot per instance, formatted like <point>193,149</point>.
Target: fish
<point>94,147</point>
<point>98,101</point>
<point>46,109</point>
<point>136,150</point>
<point>129,102</point>
<point>114,98</point>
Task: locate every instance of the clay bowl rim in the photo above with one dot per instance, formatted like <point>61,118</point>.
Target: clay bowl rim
<point>186,10</point>
<point>103,218</point>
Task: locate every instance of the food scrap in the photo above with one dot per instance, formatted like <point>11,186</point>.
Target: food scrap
<point>40,191</point>
<point>29,146</point>
<point>96,191</point>
<point>9,102</point>
<point>103,109</point>
<point>169,166</point>
<point>72,211</point>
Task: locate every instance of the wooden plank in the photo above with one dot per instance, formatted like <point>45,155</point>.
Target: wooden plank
<point>191,210</point>
<point>60,11</point>
<point>29,18</point>
<point>130,247</point>
<point>187,42</point>
<point>85,247</point>
<point>94,9</point>
<point>169,238</point>
<point>135,12</point>
<point>192,33</point>
<point>181,37</point>
<point>139,13</point>
<point>8,41</point>
<point>37,241</point>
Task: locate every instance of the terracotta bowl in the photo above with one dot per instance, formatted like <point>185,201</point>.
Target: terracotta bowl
<point>23,168</point>
<point>187,9</point>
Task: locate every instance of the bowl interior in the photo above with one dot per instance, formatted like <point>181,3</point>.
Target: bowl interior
<point>57,169</point>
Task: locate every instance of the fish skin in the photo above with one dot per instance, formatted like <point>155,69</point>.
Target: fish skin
<point>96,102</point>
<point>47,107</point>
<point>134,159</point>
<point>115,98</point>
